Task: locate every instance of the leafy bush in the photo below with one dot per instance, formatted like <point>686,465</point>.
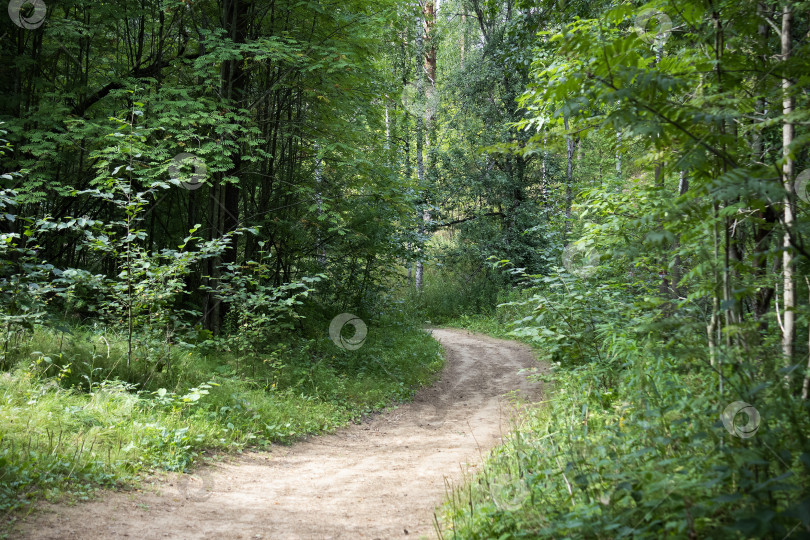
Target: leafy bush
<point>632,442</point>
<point>68,426</point>
<point>451,291</point>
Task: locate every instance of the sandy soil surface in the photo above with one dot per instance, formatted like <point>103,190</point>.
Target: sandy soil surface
<point>379,479</point>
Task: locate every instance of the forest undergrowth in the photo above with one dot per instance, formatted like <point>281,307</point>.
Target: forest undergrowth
<point>74,419</point>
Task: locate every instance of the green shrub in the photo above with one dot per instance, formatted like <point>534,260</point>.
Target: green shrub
<point>68,426</point>
<point>632,442</point>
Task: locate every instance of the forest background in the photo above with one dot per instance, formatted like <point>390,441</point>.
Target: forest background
<point>194,191</point>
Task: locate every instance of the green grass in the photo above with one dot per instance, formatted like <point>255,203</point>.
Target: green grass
<point>482,324</point>
<point>636,449</point>
<point>448,295</point>
<point>69,423</point>
<point>513,305</point>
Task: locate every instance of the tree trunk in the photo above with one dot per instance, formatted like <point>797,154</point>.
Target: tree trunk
<point>763,233</point>
<point>569,181</point>
<point>321,249</point>
<point>618,154</point>
<point>806,383</point>
<point>420,164</point>
<point>463,34</point>
<point>789,326</point>
<point>233,85</point>
<point>677,265</point>
<point>406,131</point>
<point>429,18</point>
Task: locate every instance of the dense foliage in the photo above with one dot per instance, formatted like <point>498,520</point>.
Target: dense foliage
<point>676,318</point>
<point>191,191</point>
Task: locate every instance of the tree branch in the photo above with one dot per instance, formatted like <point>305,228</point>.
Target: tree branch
<point>464,220</point>
<point>153,69</point>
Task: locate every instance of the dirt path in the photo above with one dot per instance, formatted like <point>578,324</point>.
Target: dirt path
<point>380,479</point>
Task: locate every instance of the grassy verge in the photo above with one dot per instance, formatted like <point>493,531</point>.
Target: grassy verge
<point>632,446</point>
<point>68,425</point>
<point>482,324</point>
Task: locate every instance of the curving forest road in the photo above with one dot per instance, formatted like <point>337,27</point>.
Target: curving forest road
<point>379,479</point>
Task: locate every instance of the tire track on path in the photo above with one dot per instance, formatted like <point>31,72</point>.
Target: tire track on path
<point>379,479</point>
